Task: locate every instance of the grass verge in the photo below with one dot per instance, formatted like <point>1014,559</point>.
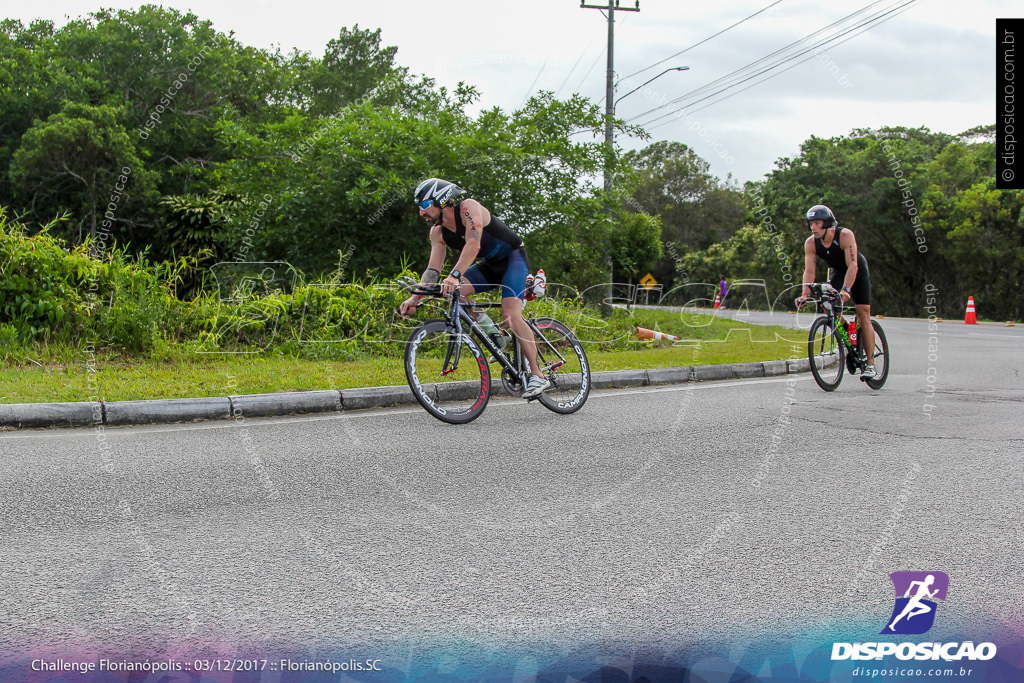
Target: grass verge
<point>705,341</point>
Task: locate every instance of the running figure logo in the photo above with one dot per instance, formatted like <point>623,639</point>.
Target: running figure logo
<point>914,613</point>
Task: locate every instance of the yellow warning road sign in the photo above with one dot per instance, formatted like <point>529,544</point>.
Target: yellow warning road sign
<point>648,281</point>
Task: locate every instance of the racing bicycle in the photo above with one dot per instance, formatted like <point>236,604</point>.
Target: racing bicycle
<point>449,373</point>
<point>830,348</point>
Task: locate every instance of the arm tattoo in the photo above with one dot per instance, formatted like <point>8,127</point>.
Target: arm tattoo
<point>430,276</point>
<point>471,228</point>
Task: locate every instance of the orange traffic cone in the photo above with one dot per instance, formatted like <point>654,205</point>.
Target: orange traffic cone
<point>970,318</point>
<point>644,333</point>
<point>718,300</point>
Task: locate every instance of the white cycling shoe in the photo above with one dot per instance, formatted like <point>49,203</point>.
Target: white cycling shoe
<point>869,372</point>
<point>536,386</point>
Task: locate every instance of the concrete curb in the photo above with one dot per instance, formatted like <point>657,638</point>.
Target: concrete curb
<point>375,397</point>
<point>166,410</point>
<point>116,413</point>
<point>267,405</point>
<point>23,415</point>
<point>619,378</point>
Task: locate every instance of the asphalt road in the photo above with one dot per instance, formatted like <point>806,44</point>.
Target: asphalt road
<point>654,517</point>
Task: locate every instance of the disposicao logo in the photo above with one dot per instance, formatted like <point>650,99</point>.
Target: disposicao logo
<point>914,614</point>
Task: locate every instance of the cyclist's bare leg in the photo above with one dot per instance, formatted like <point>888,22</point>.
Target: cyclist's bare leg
<point>866,332</point>
<point>465,291</point>
<point>512,314</point>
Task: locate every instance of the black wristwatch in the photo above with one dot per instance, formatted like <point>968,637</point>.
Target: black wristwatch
<point>848,291</point>
<point>455,274</point>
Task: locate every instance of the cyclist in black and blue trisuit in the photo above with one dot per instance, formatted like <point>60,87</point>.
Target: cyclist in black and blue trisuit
<point>837,247</point>
<point>470,229</point>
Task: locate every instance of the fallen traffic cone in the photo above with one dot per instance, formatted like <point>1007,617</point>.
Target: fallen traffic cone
<point>718,300</point>
<point>644,333</point>
<point>970,318</point>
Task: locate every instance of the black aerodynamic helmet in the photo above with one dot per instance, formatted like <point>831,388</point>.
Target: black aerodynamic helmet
<point>821,212</point>
<point>436,190</point>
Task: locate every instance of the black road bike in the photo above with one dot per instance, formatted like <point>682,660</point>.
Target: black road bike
<point>830,349</point>
<point>450,376</point>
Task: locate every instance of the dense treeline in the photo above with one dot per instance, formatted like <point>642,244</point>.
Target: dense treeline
<point>151,130</point>
<point>924,208</point>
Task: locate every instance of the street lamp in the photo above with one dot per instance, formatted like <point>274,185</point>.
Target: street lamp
<point>671,68</point>
<point>609,129</point>
<point>609,141</point>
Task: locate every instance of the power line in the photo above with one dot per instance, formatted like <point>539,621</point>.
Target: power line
<point>530,89</point>
<point>897,11</point>
<point>596,60</point>
<point>647,68</point>
<point>748,67</point>
<point>740,75</point>
<point>573,69</point>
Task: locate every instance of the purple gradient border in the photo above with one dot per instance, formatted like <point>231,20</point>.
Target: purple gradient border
<point>761,659</point>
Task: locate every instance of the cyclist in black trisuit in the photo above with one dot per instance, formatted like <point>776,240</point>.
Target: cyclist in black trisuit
<point>469,228</point>
<point>837,247</point>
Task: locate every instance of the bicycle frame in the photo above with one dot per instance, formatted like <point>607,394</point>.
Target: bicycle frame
<point>458,318</point>
<point>829,304</point>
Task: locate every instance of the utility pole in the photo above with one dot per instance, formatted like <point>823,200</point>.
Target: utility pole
<point>609,97</point>
<point>609,132</point>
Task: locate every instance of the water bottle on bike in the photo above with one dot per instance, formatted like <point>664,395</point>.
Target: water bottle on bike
<point>491,330</point>
<point>536,285</point>
<point>540,283</point>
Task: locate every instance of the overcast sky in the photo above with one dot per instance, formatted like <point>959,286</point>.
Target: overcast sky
<point>931,64</point>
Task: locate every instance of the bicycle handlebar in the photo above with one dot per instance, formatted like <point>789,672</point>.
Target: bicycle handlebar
<point>827,296</point>
<point>416,288</point>
<point>823,289</point>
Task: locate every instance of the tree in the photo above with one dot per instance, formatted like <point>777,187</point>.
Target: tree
<point>669,181</point>
<point>354,67</point>
<point>570,250</point>
<point>924,208</point>
<point>31,89</point>
<point>82,160</point>
<point>973,230</point>
<point>169,76</point>
<point>346,181</point>
<point>864,178</point>
<point>195,225</point>
<point>635,244</point>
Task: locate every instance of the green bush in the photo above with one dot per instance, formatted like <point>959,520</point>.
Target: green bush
<point>52,296</point>
<point>37,285</point>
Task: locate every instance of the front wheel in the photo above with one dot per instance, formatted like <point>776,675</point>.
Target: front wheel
<point>447,373</point>
<point>564,363</point>
<point>880,359</point>
<point>826,353</point>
